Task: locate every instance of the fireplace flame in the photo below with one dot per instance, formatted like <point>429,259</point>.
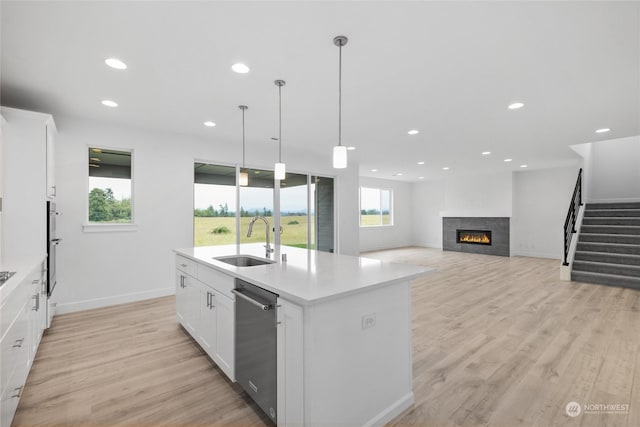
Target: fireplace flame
<point>474,238</point>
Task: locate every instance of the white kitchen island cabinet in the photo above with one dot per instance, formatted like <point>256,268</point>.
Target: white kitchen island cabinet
<point>343,330</point>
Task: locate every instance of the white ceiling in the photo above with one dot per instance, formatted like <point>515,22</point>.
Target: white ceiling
<point>448,69</point>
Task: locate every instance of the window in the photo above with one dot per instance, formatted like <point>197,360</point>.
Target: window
<point>109,186</point>
<point>214,213</point>
<point>376,207</point>
<point>222,208</point>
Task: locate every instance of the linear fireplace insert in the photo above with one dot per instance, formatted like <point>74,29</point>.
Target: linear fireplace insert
<point>474,237</point>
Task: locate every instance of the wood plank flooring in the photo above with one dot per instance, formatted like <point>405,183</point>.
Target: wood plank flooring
<point>497,342</point>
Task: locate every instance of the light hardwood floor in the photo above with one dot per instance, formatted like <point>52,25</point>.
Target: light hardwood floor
<point>497,342</point>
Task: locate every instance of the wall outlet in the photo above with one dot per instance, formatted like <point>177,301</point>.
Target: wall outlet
<point>368,321</point>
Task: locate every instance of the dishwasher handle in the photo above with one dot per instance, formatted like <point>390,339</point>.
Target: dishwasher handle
<point>263,307</point>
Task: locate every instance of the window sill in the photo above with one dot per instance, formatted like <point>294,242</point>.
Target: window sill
<point>109,228</point>
<point>377,226</point>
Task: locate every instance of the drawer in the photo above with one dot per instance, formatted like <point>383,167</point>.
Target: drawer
<point>186,265</point>
<point>13,305</point>
<point>14,348</point>
<point>216,280</point>
<point>10,398</point>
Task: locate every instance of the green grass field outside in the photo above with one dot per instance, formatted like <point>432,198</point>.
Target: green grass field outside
<point>292,235</point>
<point>370,220</point>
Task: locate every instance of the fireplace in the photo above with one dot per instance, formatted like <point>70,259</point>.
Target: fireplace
<point>473,237</point>
<point>478,235</point>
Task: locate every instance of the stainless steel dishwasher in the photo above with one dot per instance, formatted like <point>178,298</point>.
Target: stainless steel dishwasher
<point>256,345</point>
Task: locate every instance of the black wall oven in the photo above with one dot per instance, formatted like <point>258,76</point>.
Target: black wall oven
<point>52,243</point>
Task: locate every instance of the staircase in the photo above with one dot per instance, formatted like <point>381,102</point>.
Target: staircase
<point>608,250</point>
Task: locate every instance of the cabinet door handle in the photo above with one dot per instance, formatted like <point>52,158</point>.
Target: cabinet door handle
<point>19,392</point>
<point>212,305</point>
<point>37,298</point>
<point>183,265</point>
<point>35,281</point>
<point>18,343</point>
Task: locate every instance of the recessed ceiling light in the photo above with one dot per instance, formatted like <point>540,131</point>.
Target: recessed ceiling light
<point>115,63</point>
<point>413,132</point>
<point>515,105</point>
<point>603,130</point>
<point>421,163</point>
<point>240,68</point>
<point>95,159</point>
<point>524,166</point>
<point>446,168</point>
<point>91,165</point>
<point>421,177</point>
<point>397,174</point>
<point>508,160</point>
<point>486,153</point>
<point>96,150</point>
<point>374,170</point>
<point>351,148</point>
<point>109,103</point>
<point>209,124</point>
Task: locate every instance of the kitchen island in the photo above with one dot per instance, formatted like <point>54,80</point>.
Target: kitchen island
<point>343,327</point>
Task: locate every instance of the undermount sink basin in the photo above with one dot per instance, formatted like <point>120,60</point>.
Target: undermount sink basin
<point>243,260</point>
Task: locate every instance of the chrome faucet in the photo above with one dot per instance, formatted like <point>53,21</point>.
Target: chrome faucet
<point>268,226</point>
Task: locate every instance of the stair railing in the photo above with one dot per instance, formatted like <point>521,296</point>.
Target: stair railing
<point>572,215</point>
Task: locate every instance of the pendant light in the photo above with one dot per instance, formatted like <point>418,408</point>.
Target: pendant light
<point>280,168</point>
<point>243,178</point>
<point>340,151</point>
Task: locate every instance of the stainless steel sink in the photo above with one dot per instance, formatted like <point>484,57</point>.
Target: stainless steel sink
<point>243,260</point>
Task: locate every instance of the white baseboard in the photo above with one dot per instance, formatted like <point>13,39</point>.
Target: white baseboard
<point>392,411</point>
<point>89,304</point>
<point>534,254</point>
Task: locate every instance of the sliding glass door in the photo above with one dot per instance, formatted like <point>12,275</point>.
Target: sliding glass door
<point>221,208</point>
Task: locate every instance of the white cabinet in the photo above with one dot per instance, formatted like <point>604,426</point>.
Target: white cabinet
<point>27,166</point>
<point>208,324</point>
<point>206,309</point>
<point>21,330</point>
<point>224,354</point>
<point>49,146</point>
<point>187,301</point>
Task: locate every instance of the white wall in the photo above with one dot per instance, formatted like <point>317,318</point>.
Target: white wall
<point>541,199</point>
<point>98,269</point>
<point>615,171</point>
<point>464,195</point>
<point>399,234</point>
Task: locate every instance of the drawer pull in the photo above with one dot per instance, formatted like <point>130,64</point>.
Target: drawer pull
<point>183,265</point>
<point>19,392</point>
<point>18,343</point>
<point>35,281</point>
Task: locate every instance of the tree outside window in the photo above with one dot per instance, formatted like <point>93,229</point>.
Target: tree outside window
<point>109,186</point>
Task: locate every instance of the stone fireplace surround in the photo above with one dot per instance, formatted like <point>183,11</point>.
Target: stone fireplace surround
<point>499,227</point>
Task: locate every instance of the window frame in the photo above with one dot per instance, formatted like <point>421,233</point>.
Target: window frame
<point>97,227</point>
<point>391,207</point>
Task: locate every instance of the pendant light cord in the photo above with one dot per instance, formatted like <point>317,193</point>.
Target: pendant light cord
<point>340,97</point>
<point>280,124</point>
<point>243,149</point>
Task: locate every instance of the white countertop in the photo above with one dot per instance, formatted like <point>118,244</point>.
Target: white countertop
<point>308,276</point>
<point>23,266</point>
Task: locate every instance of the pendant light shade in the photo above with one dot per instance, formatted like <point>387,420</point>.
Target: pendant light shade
<point>243,177</point>
<point>280,170</point>
<point>339,157</point>
<point>340,151</point>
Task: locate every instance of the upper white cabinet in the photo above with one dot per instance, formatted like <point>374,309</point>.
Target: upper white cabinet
<point>51,176</point>
<point>27,167</point>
